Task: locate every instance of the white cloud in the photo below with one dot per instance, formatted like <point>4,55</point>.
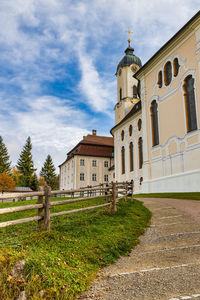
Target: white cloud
<point>71,41</point>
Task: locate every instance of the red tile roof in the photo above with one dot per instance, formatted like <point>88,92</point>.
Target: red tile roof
<point>93,145</point>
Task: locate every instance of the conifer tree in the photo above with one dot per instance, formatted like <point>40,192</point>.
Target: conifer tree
<point>48,172</point>
<point>4,158</point>
<point>25,164</point>
<point>34,182</point>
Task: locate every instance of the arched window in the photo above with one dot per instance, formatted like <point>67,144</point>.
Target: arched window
<point>168,73</point>
<point>120,93</point>
<point>130,130</point>
<point>122,135</point>
<point>176,66</point>
<point>131,156</point>
<point>134,91</point>
<point>139,124</point>
<point>123,159</point>
<point>154,123</point>
<point>140,150</point>
<point>160,81</point>
<point>191,118</point>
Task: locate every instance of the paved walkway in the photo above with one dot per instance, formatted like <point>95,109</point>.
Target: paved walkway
<point>165,265</point>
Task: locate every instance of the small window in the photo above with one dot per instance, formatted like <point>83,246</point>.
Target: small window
<point>168,73</point>
<point>120,93</point>
<point>82,162</point>
<point>105,178</point>
<point>94,177</point>
<point>82,176</point>
<point>122,135</point>
<point>141,180</point>
<point>160,81</point>
<point>139,124</point>
<point>130,130</point>
<point>106,164</point>
<point>94,163</point>
<point>135,92</point>
<point>176,66</point>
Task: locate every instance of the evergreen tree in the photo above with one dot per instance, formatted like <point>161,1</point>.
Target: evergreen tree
<point>34,182</point>
<point>25,164</point>
<point>48,172</point>
<point>4,158</point>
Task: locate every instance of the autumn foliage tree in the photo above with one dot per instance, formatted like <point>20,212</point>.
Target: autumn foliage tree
<point>7,183</point>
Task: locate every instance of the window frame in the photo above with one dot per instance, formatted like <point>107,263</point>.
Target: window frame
<point>94,177</point>
<point>82,176</point>
<point>94,163</point>
<point>82,162</point>
<point>106,164</point>
<point>154,123</point>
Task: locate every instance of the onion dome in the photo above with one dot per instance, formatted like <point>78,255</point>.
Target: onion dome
<point>129,58</point>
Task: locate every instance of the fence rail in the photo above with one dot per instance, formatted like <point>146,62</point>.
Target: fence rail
<point>112,192</point>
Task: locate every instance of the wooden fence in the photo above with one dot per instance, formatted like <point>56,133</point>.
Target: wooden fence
<point>111,192</point>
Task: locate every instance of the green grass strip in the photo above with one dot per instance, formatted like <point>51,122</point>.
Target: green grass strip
<point>188,196</point>
<point>63,262</point>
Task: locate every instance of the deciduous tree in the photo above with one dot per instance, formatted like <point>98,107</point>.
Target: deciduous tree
<point>4,158</point>
<point>7,183</point>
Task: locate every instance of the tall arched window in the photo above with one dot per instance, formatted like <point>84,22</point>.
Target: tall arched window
<point>131,156</point>
<point>140,150</point>
<point>123,159</point>
<point>134,91</point>
<point>154,123</point>
<point>191,118</point>
<point>120,93</point>
<point>168,73</point>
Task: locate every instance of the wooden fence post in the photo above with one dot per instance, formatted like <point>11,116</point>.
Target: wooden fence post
<point>114,196</point>
<point>132,189</point>
<point>40,223</point>
<point>126,190</point>
<point>47,207</point>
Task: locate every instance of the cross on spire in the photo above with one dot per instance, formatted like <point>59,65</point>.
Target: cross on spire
<point>129,36</point>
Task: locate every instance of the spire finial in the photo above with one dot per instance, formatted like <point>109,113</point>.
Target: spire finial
<point>129,36</point>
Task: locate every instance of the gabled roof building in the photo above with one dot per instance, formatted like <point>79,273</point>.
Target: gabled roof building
<point>88,162</point>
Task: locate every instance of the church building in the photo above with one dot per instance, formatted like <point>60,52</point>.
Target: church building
<point>157,116</point>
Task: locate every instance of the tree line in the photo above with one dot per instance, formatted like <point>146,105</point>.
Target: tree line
<point>24,173</point>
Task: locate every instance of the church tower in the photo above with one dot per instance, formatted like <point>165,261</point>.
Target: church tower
<point>127,85</point>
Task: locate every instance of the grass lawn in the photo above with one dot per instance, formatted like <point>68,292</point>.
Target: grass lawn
<point>63,262</point>
<point>189,196</point>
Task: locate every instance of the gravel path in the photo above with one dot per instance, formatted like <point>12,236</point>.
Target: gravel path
<point>165,265</point>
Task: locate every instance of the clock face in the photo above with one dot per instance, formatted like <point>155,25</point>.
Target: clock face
<point>134,69</point>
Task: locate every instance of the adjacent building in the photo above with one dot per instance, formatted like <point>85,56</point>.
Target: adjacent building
<point>157,116</point>
<point>90,162</point>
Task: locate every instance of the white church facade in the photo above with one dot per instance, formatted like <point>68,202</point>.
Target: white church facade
<point>157,116</point>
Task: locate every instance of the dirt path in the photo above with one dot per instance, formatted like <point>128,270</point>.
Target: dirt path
<point>165,265</point>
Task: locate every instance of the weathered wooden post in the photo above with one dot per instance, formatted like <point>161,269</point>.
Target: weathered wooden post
<point>132,189</point>
<point>47,207</point>
<point>40,223</point>
<point>114,197</point>
<point>126,190</point>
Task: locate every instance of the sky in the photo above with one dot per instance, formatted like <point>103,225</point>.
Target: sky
<point>58,60</point>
